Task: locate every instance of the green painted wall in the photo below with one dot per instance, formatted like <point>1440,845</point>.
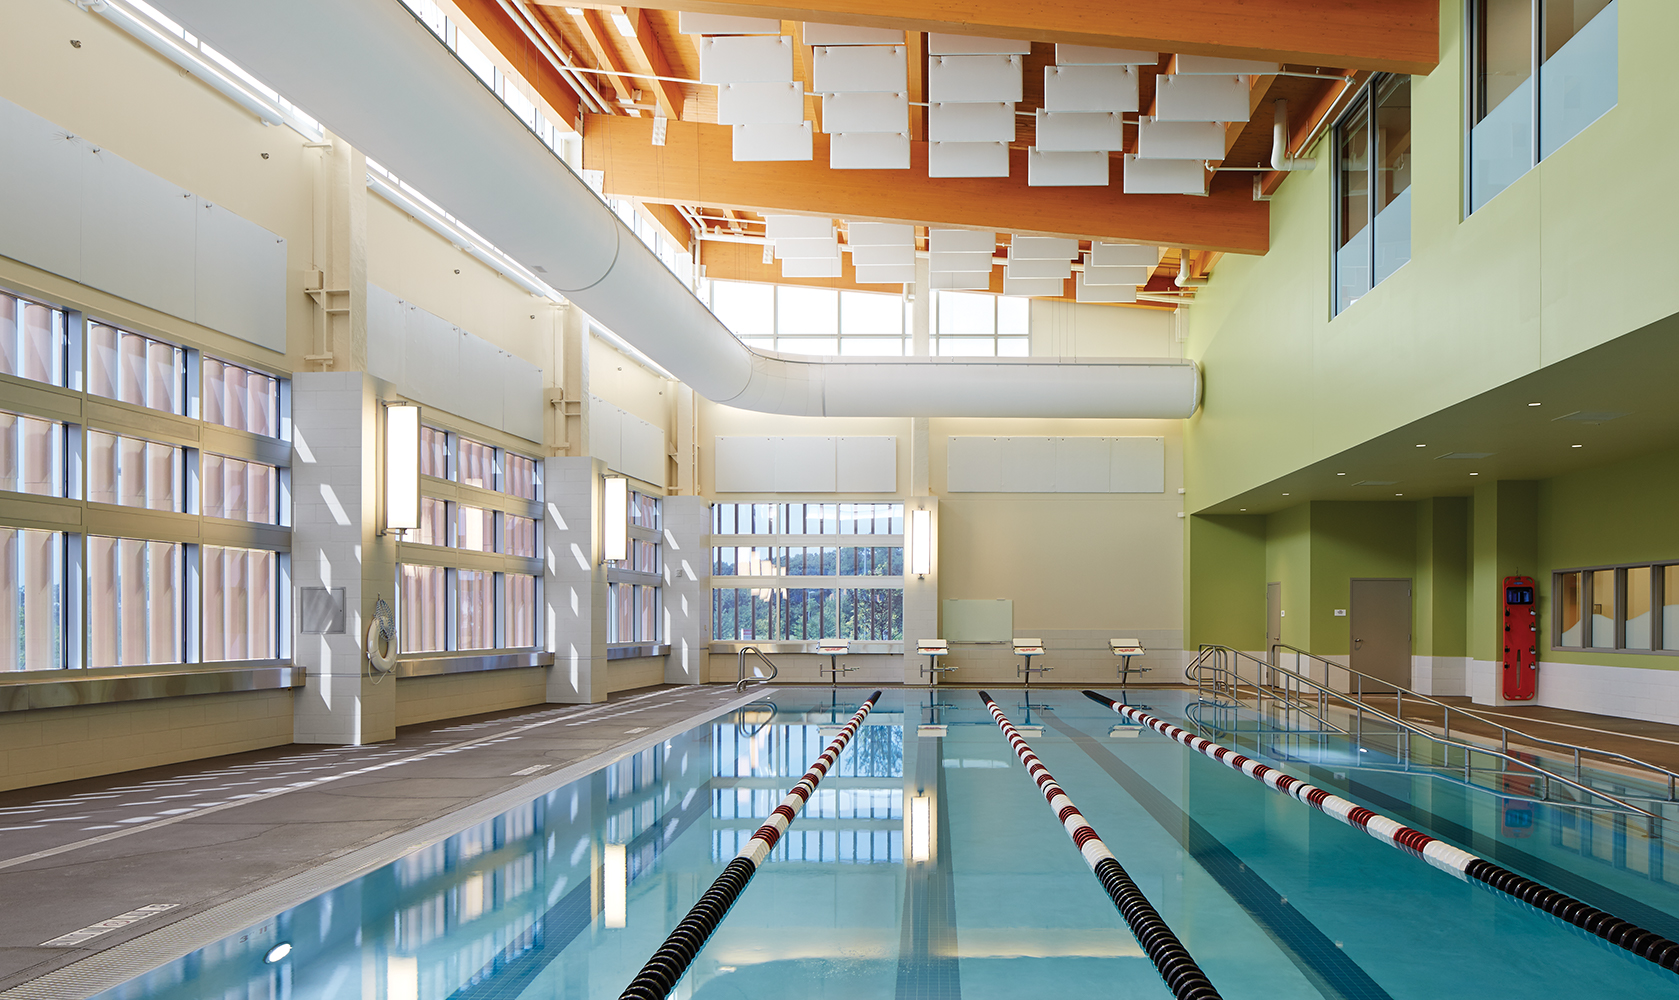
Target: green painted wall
<point>1485,299</point>
<point>1505,542</point>
<point>1224,581</point>
<point>1441,589</point>
<point>1351,539</point>
<point>1288,561</point>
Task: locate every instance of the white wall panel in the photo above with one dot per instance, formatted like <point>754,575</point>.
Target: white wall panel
<point>641,447</point>
<point>1201,98</point>
<point>775,102</point>
<point>746,58</point>
<point>41,169</point>
<point>1164,176</point>
<point>1090,88</point>
<point>385,323</point>
<point>744,464</point>
<point>240,279</point>
<point>886,111</point>
<point>968,159</point>
<point>859,68</point>
<point>949,121</point>
<point>606,433</point>
<point>1076,131</point>
<point>974,464</point>
<point>479,380</point>
<point>1081,465</point>
<point>1049,168</point>
<point>869,151</point>
<point>139,235</point>
<point>1160,140</point>
<point>431,354</point>
<point>523,404</point>
<point>804,464</point>
<point>1027,464</point>
<point>866,465</point>
<point>1137,465</point>
<point>973,78</point>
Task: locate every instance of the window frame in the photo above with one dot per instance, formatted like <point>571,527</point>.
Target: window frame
<point>904,338</point>
<point>1361,110</point>
<point>623,579</point>
<point>1619,600</point>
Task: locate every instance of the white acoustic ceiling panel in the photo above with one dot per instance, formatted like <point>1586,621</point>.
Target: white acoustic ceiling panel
<point>793,227</point>
<point>869,151</point>
<point>1201,98</point>
<point>816,33</point>
<point>1056,169</point>
<point>1084,291</point>
<point>958,263</point>
<point>776,102</point>
<point>885,111</point>
<point>1095,55</point>
<point>885,274</point>
<point>992,121</point>
<point>1117,254</point>
<point>967,159</point>
<point>806,246</point>
<point>1043,248</point>
<point>879,256</point>
<point>1158,140</point>
<point>880,234</point>
<point>1077,131</point>
<point>1164,176</point>
<point>974,281</point>
<point>1033,286</point>
<point>859,68</point>
<point>773,142</point>
<point>1031,268</point>
<point>1219,64</point>
<point>973,79</point>
<point>746,59</point>
<point>811,267</point>
<point>941,241</point>
<point>1090,88</point>
<point>1118,274</point>
<point>726,24</point>
<point>943,45</point>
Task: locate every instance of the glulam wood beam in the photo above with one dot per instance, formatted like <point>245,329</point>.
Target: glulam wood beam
<point>1397,36</point>
<point>646,48</point>
<point>597,34</point>
<point>524,56</point>
<point>695,166</point>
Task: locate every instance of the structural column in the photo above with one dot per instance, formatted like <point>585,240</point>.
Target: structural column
<point>687,589</point>
<point>921,592</point>
<point>574,579</point>
<point>1505,532</point>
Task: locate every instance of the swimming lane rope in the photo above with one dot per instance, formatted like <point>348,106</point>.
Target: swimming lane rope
<point>1183,977</point>
<point>659,976</point>
<point>1643,943</point>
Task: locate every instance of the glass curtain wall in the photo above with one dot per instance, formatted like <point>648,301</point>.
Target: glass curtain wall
<point>796,319</point>
<point>1372,188</point>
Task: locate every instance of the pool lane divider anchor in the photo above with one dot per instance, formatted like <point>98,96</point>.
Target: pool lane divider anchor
<point>667,966</point>
<point>1645,944</point>
<point>1173,961</point>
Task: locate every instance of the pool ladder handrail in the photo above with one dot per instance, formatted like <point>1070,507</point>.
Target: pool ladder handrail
<point>741,684</point>
<point>1504,732</point>
<point>1221,658</point>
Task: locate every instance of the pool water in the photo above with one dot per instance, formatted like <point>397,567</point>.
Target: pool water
<point>567,895</point>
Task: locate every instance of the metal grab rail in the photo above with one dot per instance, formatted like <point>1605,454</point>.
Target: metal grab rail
<point>1504,732</point>
<point>775,671</point>
<point>1225,661</point>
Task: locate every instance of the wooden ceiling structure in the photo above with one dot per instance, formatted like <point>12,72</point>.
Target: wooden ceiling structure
<point>609,71</point>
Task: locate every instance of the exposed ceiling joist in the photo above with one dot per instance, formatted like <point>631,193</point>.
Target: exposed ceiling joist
<point>695,166</point>
<point>523,55</point>
<point>645,47</point>
<point>1400,36</point>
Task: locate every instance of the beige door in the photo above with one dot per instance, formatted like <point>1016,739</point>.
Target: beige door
<point>1381,633</point>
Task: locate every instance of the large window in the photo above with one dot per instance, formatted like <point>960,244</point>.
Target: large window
<point>784,576</point>
<point>32,573</point>
<point>31,455</point>
<point>32,340</point>
<point>134,369</point>
<point>135,473</point>
<point>979,324</point>
<point>241,604</point>
<point>1542,70</point>
<point>634,612</point>
<point>1372,188</point>
<point>1628,609</point>
<point>136,602</point>
<point>794,319</point>
<point>242,399</point>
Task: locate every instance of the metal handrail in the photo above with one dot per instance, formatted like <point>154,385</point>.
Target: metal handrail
<point>1505,732</point>
<point>1325,693</point>
<point>775,671</point>
<point>740,727</point>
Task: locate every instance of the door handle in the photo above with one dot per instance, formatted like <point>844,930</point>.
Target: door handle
<point>1356,642</point>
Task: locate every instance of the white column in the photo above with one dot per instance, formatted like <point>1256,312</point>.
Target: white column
<point>687,589</point>
<point>336,471</point>
<point>574,579</point>
<point>921,593</point>
<point>921,310</point>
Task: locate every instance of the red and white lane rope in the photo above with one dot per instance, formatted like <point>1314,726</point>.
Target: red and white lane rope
<point>1643,943</point>
<point>1183,977</point>
<point>661,973</point>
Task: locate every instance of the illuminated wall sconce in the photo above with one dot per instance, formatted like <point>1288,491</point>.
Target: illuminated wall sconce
<point>920,542</point>
<point>615,885</point>
<point>615,519</point>
<point>920,832</point>
<point>402,466</point>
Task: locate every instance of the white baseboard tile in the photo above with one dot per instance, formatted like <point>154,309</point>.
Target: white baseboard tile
<point>1624,692</point>
<point>1440,676</point>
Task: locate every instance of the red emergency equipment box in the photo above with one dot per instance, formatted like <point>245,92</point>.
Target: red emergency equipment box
<point>1521,639</point>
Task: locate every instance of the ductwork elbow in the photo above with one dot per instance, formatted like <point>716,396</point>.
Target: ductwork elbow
<point>1280,160</point>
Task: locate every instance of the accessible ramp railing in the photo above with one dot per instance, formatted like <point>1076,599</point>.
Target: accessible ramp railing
<point>662,971</point>
<point>1171,959</point>
<point>1231,677</point>
<point>1624,934</point>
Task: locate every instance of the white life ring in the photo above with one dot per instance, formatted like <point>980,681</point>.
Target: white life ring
<point>380,625</point>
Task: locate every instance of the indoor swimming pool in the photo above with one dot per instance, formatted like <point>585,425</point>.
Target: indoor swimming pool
<point>927,865</point>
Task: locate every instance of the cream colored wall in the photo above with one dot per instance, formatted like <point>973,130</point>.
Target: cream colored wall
<point>630,385</point>
<point>451,696</point>
<point>1072,330</point>
<point>62,744</point>
<point>718,420</point>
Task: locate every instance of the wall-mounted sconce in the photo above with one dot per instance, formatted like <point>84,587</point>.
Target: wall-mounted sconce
<point>920,541</point>
<point>920,828</point>
<point>615,885</point>
<point>402,466</point>
<point>615,520</point>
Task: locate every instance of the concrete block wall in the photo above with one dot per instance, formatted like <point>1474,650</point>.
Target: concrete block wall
<point>574,580</point>
<point>451,696</point>
<point>687,590</point>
